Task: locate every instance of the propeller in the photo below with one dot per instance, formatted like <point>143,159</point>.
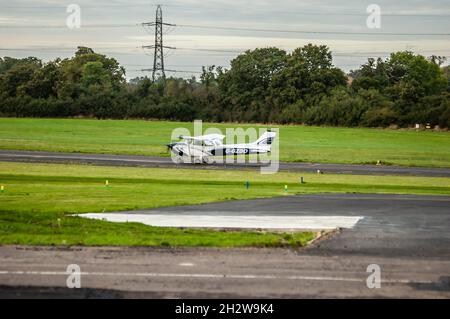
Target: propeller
<point>169,147</point>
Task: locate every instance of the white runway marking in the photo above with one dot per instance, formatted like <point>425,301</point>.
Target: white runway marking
<point>239,222</point>
<point>214,276</point>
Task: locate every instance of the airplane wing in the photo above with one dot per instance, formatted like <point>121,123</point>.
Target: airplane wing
<point>204,138</point>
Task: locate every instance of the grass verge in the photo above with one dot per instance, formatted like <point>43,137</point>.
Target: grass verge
<point>297,143</point>
<point>38,199</point>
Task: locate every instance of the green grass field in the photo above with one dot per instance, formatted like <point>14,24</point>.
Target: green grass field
<point>38,199</point>
<point>297,143</point>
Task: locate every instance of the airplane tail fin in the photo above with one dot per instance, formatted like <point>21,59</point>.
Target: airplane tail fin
<point>266,139</point>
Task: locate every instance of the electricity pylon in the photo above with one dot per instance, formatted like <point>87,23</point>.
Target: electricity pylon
<point>158,60</point>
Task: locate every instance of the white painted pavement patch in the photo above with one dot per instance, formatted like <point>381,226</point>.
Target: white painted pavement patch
<point>239,222</point>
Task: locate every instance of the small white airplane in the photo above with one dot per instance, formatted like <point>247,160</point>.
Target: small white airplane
<point>197,150</point>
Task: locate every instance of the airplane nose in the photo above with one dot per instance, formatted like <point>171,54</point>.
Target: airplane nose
<point>175,150</point>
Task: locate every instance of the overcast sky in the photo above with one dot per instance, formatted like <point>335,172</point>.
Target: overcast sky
<point>26,29</point>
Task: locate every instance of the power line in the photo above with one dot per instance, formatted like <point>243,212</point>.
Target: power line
<point>259,10</point>
<point>211,50</point>
<point>61,26</point>
<point>231,51</point>
<point>226,28</point>
<point>212,27</point>
<point>99,6</point>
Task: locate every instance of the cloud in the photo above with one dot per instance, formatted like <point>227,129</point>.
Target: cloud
<point>319,15</point>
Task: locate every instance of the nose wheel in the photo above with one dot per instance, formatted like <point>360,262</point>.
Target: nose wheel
<point>200,160</point>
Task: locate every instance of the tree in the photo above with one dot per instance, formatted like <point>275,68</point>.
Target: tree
<point>262,85</point>
<point>446,72</point>
<point>16,73</point>
<point>309,75</point>
<point>94,74</point>
<point>263,82</point>
<point>73,70</point>
<point>44,81</point>
<point>372,75</point>
<point>209,77</point>
<point>437,59</point>
<point>415,73</point>
<point>143,87</point>
<point>245,87</point>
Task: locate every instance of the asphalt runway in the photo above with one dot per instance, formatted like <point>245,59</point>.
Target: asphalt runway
<point>166,162</point>
<point>408,237</point>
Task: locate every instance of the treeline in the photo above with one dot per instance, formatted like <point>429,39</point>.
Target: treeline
<point>263,85</point>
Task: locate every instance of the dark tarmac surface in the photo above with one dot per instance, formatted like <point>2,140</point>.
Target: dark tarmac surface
<point>166,162</point>
<point>393,225</point>
<point>407,236</point>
